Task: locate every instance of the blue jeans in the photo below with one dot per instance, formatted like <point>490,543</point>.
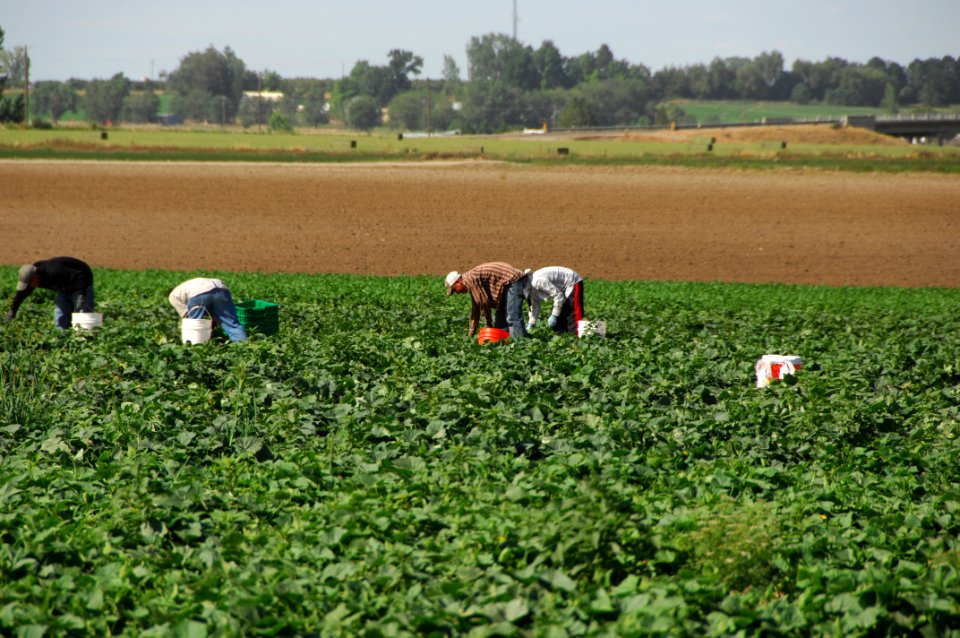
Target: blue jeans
<point>219,303</point>
<point>513,305</point>
<point>65,303</point>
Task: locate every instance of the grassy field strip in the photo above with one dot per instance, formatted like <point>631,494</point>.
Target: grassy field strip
<point>361,146</point>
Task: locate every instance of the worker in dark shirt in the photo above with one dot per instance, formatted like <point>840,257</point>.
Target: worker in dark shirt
<point>71,278</point>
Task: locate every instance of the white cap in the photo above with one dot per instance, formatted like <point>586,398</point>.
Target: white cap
<point>451,279</point>
<point>25,276</point>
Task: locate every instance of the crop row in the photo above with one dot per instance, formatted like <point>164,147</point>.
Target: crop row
<point>372,471</point>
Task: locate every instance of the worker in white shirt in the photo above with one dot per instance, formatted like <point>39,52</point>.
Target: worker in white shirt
<point>198,297</point>
<point>565,288</point>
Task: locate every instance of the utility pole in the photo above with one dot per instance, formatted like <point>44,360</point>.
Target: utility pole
<point>515,19</point>
<point>26,85</point>
<point>429,124</point>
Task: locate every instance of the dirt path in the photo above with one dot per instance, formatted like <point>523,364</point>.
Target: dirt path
<point>616,223</point>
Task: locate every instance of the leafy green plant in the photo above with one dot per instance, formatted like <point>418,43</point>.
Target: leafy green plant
<point>370,470</point>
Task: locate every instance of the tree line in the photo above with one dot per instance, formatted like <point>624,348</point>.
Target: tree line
<point>508,85</point>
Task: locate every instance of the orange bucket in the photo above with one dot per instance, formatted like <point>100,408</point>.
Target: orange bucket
<point>491,335</point>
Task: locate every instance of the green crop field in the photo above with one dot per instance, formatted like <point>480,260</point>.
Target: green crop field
<point>369,470</point>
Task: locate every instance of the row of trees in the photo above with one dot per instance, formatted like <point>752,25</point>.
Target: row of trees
<point>508,84</point>
<point>13,108</point>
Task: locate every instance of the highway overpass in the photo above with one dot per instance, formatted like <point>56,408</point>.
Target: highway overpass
<point>921,129</point>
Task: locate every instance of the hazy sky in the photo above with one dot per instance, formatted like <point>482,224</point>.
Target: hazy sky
<point>91,39</point>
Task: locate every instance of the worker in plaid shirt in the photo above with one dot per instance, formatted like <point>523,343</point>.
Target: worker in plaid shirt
<point>493,285</point>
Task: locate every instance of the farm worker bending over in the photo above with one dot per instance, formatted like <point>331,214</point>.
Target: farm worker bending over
<point>195,298</point>
<point>70,277</point>
<point>565,287</point>
<point>493,285</point>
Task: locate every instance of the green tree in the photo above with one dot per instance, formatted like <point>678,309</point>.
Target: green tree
<point>889,102</point>
<point>212,76</point>
<point>858,86</point>
<point>769,66</point>
<point>201,106</point>
<point>255,109</point>
<point>698,81</point>
<point>425,108</point>
<point>13,63</point>
<point>721,79</point>
<point>421,109</point>
<point>13,108</point>
<point>542,107</point>
<point>934,82</point>
<point>671,82</point>
<point>820,77</point>
<point>381,83</point>
<point>53,99</point>
<point>271,81</point>
<point>576,114</point>
<point>550,67</point>
<point>3,69</point>
<point>617,102</point>
<point>601,65</point>
<point>376,81</point>
<point>104,99</point>
<point>800,94</point>
<point>451,76</point>
<point>609,68</point>
<point>402,65</point>
<point>141,107</point>
<point>315,107</point>
<point>280,122</point>
<point>362,113</point>
<point>752,79</point>
<point>500,59</point>
<point>490,107</point>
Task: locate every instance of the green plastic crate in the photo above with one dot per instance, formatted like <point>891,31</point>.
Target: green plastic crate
<point>259,315</point>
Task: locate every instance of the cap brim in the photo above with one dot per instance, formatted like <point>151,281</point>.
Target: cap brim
<point>22,285</point>
<point>449,290</point>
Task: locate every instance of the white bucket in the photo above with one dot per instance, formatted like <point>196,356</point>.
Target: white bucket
<point>86,320</point>
<point>773,367</point>
<point>586,328</point>
<point>195,330</point>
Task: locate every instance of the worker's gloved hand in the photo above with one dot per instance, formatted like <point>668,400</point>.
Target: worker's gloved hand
<point>81,304</point>
<point>529,327</point>
<point>552,321</point>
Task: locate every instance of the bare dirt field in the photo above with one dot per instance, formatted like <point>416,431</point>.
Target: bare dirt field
<point>608,223</point>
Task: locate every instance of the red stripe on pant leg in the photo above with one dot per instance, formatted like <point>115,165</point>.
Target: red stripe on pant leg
<point>578,301</point>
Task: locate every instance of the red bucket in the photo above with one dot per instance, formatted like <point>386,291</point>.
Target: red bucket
<point>491,335</point>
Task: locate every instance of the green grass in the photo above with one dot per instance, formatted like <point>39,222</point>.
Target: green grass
<point>255,145</point>
<point>369,470</point>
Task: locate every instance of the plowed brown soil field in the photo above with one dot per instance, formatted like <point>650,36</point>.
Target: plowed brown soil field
<point>609,223</point>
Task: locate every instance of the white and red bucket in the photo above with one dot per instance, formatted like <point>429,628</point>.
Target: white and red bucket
<point>587,328</point>
<point>86,320</point>
<point>773,367</point>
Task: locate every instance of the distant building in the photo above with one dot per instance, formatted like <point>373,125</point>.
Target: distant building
<point>269,96</point>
